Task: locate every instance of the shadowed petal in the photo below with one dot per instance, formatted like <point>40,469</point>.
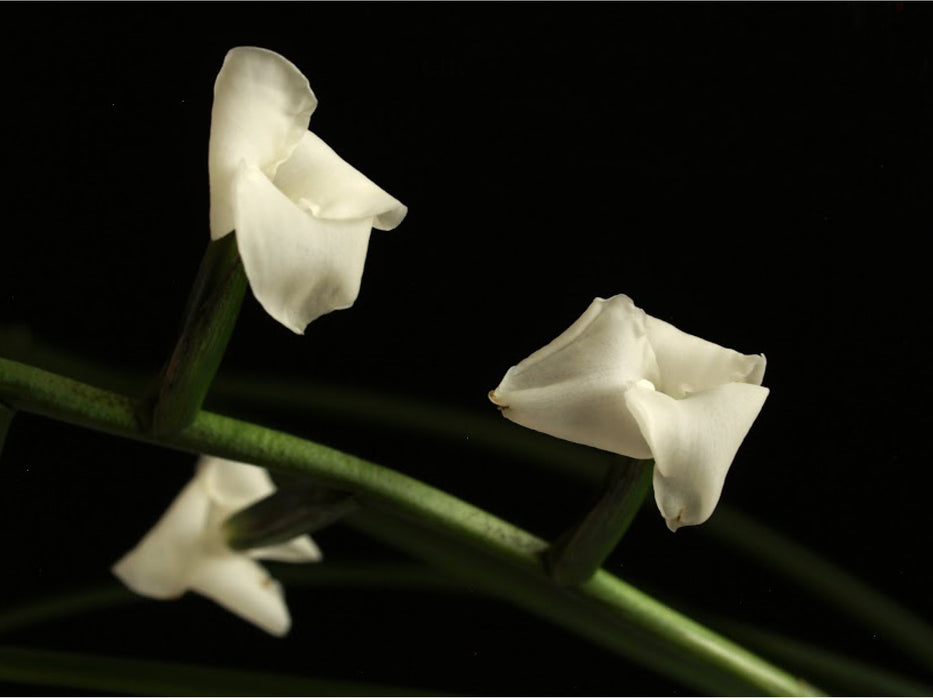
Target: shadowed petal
<point>245,588</point>
<point>301,549</point>
<point>693,441</point>
<point>299,267</point>
<point>160,564</point>
<point>262,106</point>
<point>232,486</point>
<point>330,188</point>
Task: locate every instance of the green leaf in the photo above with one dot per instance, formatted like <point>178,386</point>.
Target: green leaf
<point>129,676</point>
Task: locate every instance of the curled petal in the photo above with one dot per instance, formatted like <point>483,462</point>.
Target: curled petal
<point>330,188</point>
<point>245,588</point>
<point>574,387</point>
<point>690,364</point>
<point>301,549</point>
<point>693,441</point>
<point>299,267</point>
<point>160,564</point>
<point>262,106</point>
<point>231,485</point>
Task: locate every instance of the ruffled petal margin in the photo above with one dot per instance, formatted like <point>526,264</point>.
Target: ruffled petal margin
<point>690,364</point>
<point>574,387</point>
<point>323,183</point>
<point>262,107</point>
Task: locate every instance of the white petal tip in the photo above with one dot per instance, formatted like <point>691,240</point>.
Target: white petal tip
<point>496,399</point>
<point>280,631</point>
<point>674,524</point>
<point>389,220</point>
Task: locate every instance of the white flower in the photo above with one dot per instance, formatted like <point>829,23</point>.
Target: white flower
<point>186,549</point>
<point>623,381</point>
<point>302,215</point>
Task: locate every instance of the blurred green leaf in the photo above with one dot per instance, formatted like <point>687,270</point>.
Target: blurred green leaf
<point>129,676</point>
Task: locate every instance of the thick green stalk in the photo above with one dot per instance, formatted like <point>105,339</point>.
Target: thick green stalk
<point>463,529</point>
<point>579,552</point>
<point>162,678</point>
<point>178,392</point>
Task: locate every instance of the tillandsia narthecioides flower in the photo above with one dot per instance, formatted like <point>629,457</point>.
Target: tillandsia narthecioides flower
<point>623,381</point>
<point>302,215</point>
<point>187,548</point>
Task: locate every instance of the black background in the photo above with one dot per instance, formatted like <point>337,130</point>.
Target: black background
<point>757,174</point>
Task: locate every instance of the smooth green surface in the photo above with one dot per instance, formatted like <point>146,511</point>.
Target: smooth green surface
<point>129,676</point>
<point>178,393</point>
<point>787,558</point>
<point>414,507</point>
<point>578,553</point>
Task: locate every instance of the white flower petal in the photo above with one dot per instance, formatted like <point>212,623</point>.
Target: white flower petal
<point>574,387</point>
<point>330,188</point>
<point>262,106</point>
<point>690,364</point>
<point>245,588</point>
<point>232,486</point>
<point>160,564</point>
<point>693,441</point>
<point>300,549</point>
<point>299,267</point>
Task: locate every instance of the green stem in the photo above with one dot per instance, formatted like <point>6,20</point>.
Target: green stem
<point>842,674</point>
<point>837,672</point>
<point>596,612</point>
<point>178,392</point>
<point>827,581</point>
<point>902,628</point>
<point>400,500</point>
<point>579,552</point>
<point>128,676</point>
